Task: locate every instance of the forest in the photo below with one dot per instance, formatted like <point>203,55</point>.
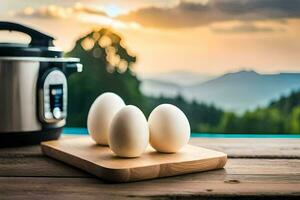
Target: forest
<point>108,68</point>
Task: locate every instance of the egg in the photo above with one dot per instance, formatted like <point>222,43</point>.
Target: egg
<point>101,114</point>
<point>169,128</point>
<point>129,133</point>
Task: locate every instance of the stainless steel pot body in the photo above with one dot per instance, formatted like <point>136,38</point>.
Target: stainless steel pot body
<point>18,90</point>
<point>24,93</point>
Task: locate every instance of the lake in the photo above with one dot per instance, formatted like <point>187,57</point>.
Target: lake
<point>83,131</point>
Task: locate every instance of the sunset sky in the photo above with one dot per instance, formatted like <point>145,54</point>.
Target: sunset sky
<point>205,36</point>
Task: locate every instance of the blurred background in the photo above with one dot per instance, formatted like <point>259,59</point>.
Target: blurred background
<point>232,66</point>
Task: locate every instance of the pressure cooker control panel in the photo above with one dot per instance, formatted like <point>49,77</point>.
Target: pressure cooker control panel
<point>54,95</point>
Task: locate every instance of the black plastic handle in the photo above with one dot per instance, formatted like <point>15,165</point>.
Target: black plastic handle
<point>73,67</point>
<point>37,38</point>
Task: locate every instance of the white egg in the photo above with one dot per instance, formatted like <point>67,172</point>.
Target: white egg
<point>169,128</point>
<point>129,133</point>
<point>101,114</point>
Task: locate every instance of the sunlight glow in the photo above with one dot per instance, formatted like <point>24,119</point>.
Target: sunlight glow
<point>112,10</point>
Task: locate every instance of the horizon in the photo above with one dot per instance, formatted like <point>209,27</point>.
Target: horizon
<point>210,43</point>
<point>218,75</point>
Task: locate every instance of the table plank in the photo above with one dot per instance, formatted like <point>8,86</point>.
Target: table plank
<point>38,166</point>
<point>25,172</point>
<point>167,188</point>
<point>252,147</point>
<point>29,161</point>
<point>234,147</point>
<point>47,167</point>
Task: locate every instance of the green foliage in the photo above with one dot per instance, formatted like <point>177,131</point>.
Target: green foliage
<point>203,118</point>
<point>281,116</point>
<point>294,121</point>
<point>228,123</point>
<point>107,67</point>
<point>287,104</point>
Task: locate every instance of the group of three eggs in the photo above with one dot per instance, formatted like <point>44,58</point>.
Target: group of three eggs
<point>127,132</point>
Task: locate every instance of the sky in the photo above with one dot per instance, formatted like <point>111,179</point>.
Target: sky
<point>209,37</point>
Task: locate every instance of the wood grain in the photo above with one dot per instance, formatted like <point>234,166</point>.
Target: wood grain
<point>98,160</point>
<point>42,166</point>
<point>233,147</point>
<point>29,161</point>
<point>167,188</point>
<point>252,147</point>
<point>26,174</point>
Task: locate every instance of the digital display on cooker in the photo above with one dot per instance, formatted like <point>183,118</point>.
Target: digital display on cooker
<point>56,97</point>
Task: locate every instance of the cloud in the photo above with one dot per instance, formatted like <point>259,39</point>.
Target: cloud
<point>54,11</point>
<point>245,28</point>
<point>77,13</point>
<point>191,14</point>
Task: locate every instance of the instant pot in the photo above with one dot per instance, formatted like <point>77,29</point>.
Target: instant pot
<point>33,88</point>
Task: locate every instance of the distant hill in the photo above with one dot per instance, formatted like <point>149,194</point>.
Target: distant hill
<point>238,92</point>
<point>171,83</point>
<point>156,88</point>
<point>182,77</point>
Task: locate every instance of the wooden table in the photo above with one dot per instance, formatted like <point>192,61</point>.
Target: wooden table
<point>256,169</point>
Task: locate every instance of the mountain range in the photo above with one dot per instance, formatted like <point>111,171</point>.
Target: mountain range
<point>237,91</point>
<point>177,77</point>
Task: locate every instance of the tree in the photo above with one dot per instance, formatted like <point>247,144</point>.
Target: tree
<point>295,121</point>
<point>229,123</point>
<point>107,68</point>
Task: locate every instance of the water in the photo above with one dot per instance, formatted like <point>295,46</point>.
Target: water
<point>83,131</point>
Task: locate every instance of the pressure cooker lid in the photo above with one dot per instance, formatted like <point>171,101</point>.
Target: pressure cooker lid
<point>41,45</point>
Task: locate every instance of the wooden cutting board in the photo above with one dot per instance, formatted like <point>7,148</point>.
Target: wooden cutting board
<point>100,161</point>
